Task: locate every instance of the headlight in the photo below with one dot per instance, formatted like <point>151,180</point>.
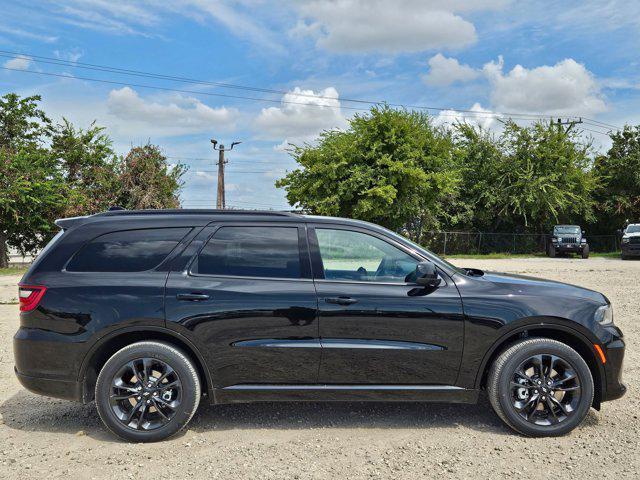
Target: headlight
<point>584,240</point>
<point>625,240</point>
<point>604,315</point>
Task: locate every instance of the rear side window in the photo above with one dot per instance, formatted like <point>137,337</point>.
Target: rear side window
<point>251,252</point>
<point>127,251</point>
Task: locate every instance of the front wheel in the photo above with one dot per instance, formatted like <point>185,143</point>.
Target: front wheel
<point>540,387</point>
<point>585,252</point>
<point>147,391</point>
<point>552,251</point>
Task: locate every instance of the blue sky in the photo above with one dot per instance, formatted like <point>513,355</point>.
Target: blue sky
<point>550,58</point>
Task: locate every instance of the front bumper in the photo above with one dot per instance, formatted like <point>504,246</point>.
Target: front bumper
<point>612,385</point>
<point>569,247</point>
<point>630,249</point>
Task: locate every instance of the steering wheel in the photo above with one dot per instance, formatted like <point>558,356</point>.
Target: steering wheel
<point>387,267</point>
<point>362,271</point>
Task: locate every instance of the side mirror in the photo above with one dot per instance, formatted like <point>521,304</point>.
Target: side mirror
<point>583,232</point>
<point>427,275</point>
<point>619,231</point>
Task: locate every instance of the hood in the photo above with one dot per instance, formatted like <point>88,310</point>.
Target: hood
<point>521,284</point>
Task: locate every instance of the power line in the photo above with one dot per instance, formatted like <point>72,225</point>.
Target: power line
<point>139,73</point>
<point>117,70</point>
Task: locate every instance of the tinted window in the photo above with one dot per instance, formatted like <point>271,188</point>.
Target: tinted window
<point>251,252</point>
<point>127,251</point>
<point>349,255</point>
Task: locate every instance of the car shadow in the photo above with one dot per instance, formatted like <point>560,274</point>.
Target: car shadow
<point>28,412</point>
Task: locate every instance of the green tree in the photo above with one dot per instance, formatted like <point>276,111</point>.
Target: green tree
<point>21,122</point>
<point>528,178</point>
<point>618,180</point>
<point>31,191</point>
<point>391,167</point>
<point>89,165</point>
<point>32,194</point>
<point>146,180</point>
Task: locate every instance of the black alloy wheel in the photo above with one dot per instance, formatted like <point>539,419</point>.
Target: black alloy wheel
<point>545,390</point>
<point>145,394</point>
<point>540,387</point>
<point>147,391</point>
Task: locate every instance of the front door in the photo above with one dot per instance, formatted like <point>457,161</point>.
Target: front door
<point>376,325</point>
<point>246,298</point>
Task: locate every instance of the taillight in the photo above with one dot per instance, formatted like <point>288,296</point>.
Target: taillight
<point>30,296</point>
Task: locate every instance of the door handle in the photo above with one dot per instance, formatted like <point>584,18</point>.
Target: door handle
<point>341,300</point>
<point>193,297</point>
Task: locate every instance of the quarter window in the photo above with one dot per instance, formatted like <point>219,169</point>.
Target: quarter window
<point>127,251</point>
<point>251,252</point>
<point>349,255</point>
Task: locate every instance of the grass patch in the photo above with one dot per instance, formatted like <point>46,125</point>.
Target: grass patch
<point>13,270</point>
<point>500,256</point>
<point>494,256</point>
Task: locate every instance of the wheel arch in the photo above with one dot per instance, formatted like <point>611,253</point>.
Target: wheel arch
<point>110,344</point>
<point>561,333</point>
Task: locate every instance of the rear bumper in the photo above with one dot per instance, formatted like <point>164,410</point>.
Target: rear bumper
<point>46,365</point>
<point>51,387</point>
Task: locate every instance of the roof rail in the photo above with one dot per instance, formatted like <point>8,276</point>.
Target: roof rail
<point>194,211</point>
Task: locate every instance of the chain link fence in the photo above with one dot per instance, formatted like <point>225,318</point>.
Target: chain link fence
<point>475,243</point>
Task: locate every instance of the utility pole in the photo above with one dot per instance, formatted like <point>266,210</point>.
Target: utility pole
<point>220,200</point>
<point>571,124</point>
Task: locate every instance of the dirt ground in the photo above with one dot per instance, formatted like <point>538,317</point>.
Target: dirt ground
<point>47,438</point>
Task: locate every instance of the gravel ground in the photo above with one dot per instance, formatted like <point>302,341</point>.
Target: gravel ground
<point>48,438</point>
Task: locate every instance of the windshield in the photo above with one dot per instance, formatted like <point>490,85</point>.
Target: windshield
<point>633,229</point>
<point>567,230</point>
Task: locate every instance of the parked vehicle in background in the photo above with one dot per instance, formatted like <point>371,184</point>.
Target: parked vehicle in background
<point>567,239</point>
<point>148,312</point>
<point>630,242</point>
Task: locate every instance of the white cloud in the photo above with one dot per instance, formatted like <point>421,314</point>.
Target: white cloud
<point>477,116</point>
<point>27,33</point>
<point>391,27</point>
<point>302,120</point>
<point>444,71</point>
<point>18,63</point>
<point>169,116</point>
<point>144,17</point>
<point>72,55</point>
<point>562,89</point>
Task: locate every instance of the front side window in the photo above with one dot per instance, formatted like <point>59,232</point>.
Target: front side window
<point>349,255</point>
<point>251,252</point>
<point>127,251</point>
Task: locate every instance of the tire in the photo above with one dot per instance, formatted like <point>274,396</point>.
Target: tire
<point>623,257</point>
<point>552,251</point>
<point>503,396</point>
<point>171,386</point>
<point>585,252</point>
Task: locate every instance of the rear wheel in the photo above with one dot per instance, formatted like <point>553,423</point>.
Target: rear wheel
<point>147,391</point>
<point>540,387</point>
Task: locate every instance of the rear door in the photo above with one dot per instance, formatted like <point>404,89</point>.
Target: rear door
<point>246,297</point>
<point>376,325</point>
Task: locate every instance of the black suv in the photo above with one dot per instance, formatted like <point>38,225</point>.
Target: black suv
<point>568,239</point>
<point>148,312</point>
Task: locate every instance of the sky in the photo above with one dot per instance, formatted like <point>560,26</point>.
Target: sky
<point>300,63</point>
